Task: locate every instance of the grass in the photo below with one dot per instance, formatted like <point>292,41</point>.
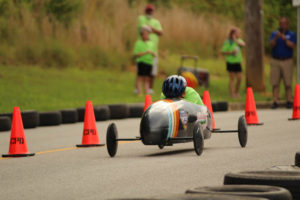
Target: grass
<point>53,89</point>
<point>45,89</point>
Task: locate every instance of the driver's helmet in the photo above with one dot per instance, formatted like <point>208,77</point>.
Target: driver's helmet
<point>174,86</point>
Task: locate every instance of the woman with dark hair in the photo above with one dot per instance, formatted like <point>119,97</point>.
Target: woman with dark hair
<point>232,50</point>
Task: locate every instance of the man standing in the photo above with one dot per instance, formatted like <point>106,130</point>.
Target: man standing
<point>282,42</point>
<point>156,32</point>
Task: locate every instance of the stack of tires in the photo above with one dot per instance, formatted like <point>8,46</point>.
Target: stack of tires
<point>275,183</point>
<point>32,118</point>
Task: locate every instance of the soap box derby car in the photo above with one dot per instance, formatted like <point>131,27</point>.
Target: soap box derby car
<point>167,122</point>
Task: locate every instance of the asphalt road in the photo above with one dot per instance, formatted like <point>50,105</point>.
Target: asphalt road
<point>61,171</point>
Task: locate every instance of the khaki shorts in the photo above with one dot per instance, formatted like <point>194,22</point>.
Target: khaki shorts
<point>155,67</point>
<point>281,69</point>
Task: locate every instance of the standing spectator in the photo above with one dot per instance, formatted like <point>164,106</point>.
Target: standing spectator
<point>232,50</point>
<point>144,52</point>
<point>282,42</point>
<point>156,31</point>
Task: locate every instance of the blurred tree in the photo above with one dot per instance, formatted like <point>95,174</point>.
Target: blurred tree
<point>254,45</point>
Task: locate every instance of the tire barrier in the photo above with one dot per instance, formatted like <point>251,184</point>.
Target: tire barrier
<point>80,112</point>
<point>289,180</point>
<point>214,106</point>
<point>69,116</point>
<point>6,115</point>
<point>30,118</point>
<point>222,106</point>
<point>219,106</point>
<point>119,111</point>
<point>50,118</point>
<point>5,123</point>
<point>136,110</point>
<point>269,192</point>
<point>297,159</point>
<point>102,113</point>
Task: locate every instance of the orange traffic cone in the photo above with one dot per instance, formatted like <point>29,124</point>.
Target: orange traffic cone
<point>90,134</point>
<point>207,102</point>
<point>250,110</point>
<point>18,145</point>
<point>148,101</point>
<point>296,105</point>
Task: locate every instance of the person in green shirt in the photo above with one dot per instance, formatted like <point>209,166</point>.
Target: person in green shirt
<point>156,32</point>
<point>144,53</point>
<point>232,50</point>
<point>175,87</point>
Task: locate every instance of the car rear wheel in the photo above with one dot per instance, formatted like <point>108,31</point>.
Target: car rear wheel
<point>198,139</point>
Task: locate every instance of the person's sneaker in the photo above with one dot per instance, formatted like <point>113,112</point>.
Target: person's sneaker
<point>289,104</point>
<point>150,91</point>
<point>275,105</point>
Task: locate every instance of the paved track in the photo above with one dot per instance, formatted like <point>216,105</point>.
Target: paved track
<point>61,171</point>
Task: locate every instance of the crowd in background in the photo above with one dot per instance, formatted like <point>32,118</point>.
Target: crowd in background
<point>282,42</point>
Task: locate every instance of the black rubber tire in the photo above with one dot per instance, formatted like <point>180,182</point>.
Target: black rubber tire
<point>289,180</point>
<point>269,192</point>
<point>6,115</point>
<point>198,139</point>
<point>285,168</point>
<point>69,116</point>
<point>80,112</point>
<point>136,110</point>
<point>111,139</point>
<point>102,113</point>
<point>207,130</point>
<point>30,118</point>
<point>214,106</point>
<point>297,159</point>
<point>5,123</point>
<point>242,131</point>
<point>50,118</point>
<point>118,111</point>
<point>161,146</point>
<point>222,106</point>
<point>198,197</point>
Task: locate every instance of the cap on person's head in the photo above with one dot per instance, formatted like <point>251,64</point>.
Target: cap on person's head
<point>145,28</point>
<point>149,7</point>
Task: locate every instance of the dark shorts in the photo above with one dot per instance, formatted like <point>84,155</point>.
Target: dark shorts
<point>144,69</point>
<point>236,67</point>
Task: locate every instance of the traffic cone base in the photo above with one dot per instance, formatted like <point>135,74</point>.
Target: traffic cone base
<point>291,119</point>
<point>18,155</point>
<point>89,145</point>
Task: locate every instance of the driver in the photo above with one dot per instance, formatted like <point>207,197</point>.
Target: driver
<point>175,87</point>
